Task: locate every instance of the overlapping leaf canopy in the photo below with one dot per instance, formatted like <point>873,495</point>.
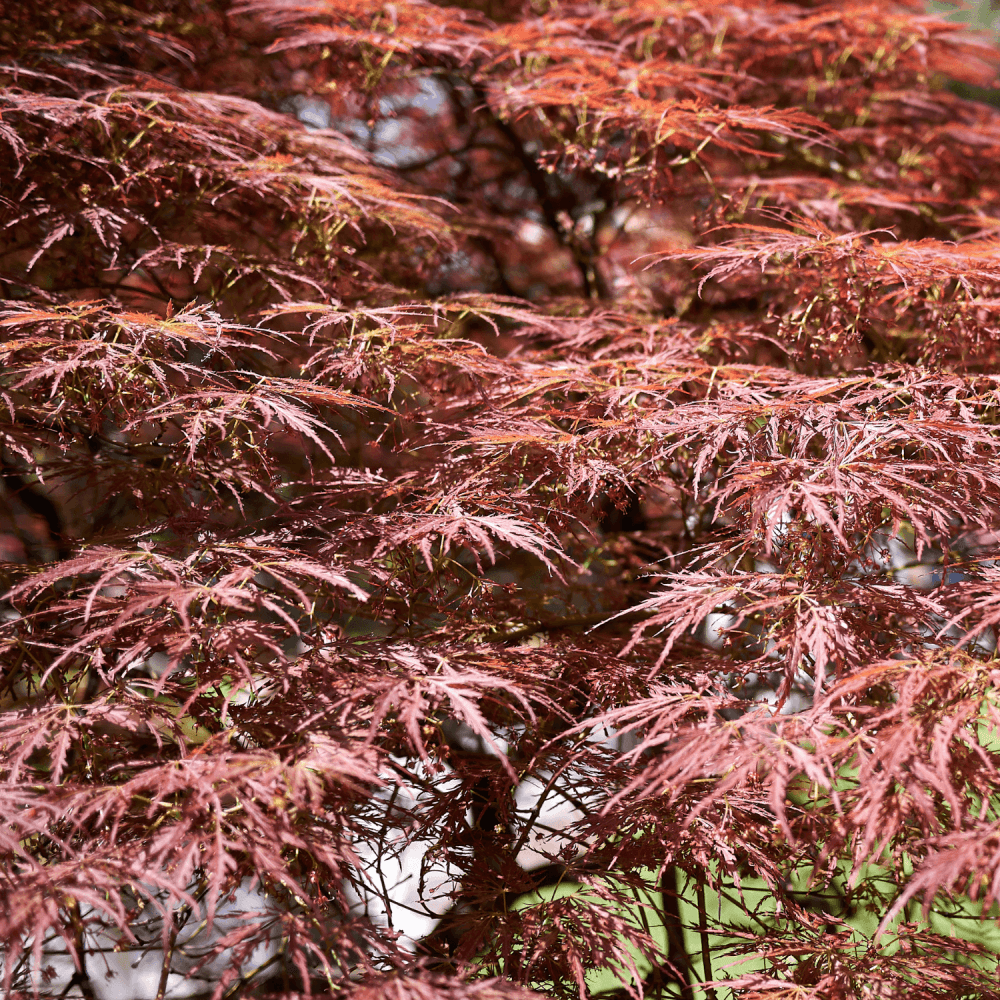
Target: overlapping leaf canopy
<point>558,368</point>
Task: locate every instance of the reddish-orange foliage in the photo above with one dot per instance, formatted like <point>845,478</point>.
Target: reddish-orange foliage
<point>538,444</point>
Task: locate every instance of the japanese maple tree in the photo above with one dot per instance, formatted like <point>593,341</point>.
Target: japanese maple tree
<point>498,492</point>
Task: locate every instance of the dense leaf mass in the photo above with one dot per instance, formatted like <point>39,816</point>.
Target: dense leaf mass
<point>494,493</point>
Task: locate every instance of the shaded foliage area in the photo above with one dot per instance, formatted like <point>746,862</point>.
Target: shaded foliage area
<point>525,445</point>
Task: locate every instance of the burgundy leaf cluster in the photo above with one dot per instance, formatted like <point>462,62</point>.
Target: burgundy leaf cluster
<point>498,492</point>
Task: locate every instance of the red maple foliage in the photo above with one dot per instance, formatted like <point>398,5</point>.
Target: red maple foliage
<point>488,489</point>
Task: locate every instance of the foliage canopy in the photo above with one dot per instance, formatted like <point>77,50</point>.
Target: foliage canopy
<point>549,448</point>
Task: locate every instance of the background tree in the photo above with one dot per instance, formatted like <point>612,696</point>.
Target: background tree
<point>393,563</point>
